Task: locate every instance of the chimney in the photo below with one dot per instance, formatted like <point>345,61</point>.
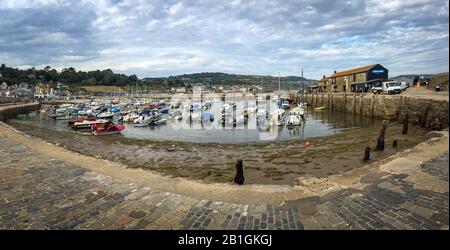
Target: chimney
<point>335,71</point>
<point>324,76</point>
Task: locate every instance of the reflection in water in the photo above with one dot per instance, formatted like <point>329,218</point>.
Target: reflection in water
<point>316,124</point>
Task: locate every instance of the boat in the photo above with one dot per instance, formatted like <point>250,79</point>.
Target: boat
<point>115,110</point>
<point>207,116</point>
<point>262,114</point>
<point>164,110</point>
<point>88,123</point>
<point>278,117</point>
<point>319,108</point>
<point>105,115</point>
<point>156,122</point>
<point>293,120</point>
<point>107,128</point>
<point>142,121</point>
<point>130,117</point>
<point>176,114</point>
<point>285,104</point>
<point>299,110</point>
<point>72,122</point>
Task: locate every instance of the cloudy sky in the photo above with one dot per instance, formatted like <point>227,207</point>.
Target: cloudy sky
<point>161,38</point>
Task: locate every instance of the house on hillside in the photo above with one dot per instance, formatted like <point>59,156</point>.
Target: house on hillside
<point>354,80</point>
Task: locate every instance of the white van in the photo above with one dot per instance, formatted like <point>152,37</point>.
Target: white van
<point>404,86</point>
<point>389,87</point>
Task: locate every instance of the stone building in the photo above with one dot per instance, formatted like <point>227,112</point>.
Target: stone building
<point>353,80</point>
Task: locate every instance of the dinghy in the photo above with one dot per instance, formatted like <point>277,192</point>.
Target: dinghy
<point>107,129</point>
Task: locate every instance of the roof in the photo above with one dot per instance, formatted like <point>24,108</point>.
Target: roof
<point>353,71</point>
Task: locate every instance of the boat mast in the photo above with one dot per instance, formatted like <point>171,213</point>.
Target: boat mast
<point>261,84</point>
<point>279,83</point>
<point>302,87</point>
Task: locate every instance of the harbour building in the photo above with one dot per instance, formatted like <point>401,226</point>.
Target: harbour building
<point>354,80</point>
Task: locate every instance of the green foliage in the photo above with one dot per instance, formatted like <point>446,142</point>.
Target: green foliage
<point>68,76</point>
<point>74,79</point>
<point>223,79</point>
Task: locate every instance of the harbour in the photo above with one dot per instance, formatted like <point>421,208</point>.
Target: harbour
<point>207,150</point>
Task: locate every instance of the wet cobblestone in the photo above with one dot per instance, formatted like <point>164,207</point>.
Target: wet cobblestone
<point>50,194</point>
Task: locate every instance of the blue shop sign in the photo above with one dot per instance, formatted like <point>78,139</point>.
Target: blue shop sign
<point>377,71</point>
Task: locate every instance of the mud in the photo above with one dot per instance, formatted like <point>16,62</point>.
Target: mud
<point>277,162</point>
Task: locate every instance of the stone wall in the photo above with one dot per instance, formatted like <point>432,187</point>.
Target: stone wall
<point>430,114</point>
<point>8,112</point>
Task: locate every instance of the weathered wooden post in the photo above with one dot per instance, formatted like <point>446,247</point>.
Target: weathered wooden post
<point>367,154</point>
<point>239,178</point>
<point>423,119</point>
<point>405,124</point>
<point>380,141</point>
<point>394,144</point>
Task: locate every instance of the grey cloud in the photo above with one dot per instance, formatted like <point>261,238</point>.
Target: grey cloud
<point>260,37</point>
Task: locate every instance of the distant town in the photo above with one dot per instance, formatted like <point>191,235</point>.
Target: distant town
<point>48,83</point>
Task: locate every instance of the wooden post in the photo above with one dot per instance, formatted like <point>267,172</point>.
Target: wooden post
<point>239,177</point>
<point>380,141</point>
<point>367,154</point>
<point>405,124</point>
<point>423,119</point>
<point>372,104</point>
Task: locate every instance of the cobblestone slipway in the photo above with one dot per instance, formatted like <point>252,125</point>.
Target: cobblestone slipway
<point>45,193</point>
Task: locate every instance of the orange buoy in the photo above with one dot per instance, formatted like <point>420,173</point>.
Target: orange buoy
<point>307,144</point>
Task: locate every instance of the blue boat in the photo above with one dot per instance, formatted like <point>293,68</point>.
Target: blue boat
<point>164,111</point>
<point>115,110</point>
<point>207,116</point>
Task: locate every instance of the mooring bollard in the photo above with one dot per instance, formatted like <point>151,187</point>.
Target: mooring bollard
<point>380,141</point>
<point>394,144</point>
<point>405,125</point>
<point>367,154</point>
<point>239,178</point>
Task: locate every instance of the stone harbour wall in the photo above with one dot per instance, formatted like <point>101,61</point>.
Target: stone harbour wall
<point>8,112</point>
<point>427,113</point>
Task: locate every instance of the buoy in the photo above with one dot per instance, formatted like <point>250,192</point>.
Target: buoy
<point>307,144</point>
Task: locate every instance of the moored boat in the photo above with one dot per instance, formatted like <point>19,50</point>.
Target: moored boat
<point>107,128</point>
<point>88,123</point>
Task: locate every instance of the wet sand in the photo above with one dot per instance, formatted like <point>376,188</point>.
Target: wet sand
<point>280,162</point>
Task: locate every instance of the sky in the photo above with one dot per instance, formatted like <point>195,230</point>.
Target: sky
<point>162,38</point>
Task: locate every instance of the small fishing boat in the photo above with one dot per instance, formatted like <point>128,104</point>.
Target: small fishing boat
<point>72,122</point>
<point>105,115</point>
<point>207,116</point>
<point>107,129</point>
<point>88,123</point>
<point>278,117</point>
<point>164,110</point>
<point>293,120</point>
<point>319,108</point>
<point>130,117</point>
<point>142,121</point>
<point>156,122</point>
<point>299,110</point>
